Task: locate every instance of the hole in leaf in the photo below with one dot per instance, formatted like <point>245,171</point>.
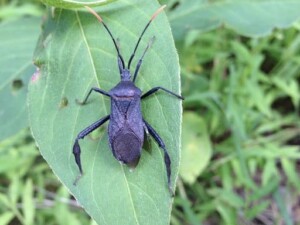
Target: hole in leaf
<point>63,103</point>
<point>17,85</point>
<point>174,5</point>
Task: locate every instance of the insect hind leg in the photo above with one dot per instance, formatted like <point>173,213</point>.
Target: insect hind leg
<point>147,140</point>
<point>81,135</point>
<point>167,159</point>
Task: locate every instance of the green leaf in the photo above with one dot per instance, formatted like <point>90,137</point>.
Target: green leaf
<point>17,44</point>
<point>196,148</point>
<point>257,209</point>
<point>16,154</point>
<point>14,190</point>
<point>264,190</point>
<point>6,217</point>
<point>282,205</point>
<point>290,170</point>
<point>75,53</point>
<point>227,213</point>
<point>62,210</point>
<point>4,200</point>
<point>290,87</point>
<point>13,10</point>
<point>269,171</point>
<point>246,17</point>
<point>28,204</point>
<point>68,4</point>
<point>229,197</point>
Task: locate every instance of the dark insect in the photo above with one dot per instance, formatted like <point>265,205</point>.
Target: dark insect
<point>127,125</point>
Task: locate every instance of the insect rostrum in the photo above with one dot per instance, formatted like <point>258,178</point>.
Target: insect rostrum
<point>126,124</point>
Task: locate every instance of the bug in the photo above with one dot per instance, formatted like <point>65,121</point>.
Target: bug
<point>127,126</point>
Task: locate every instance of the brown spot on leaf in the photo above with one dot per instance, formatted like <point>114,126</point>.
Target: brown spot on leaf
<point>63,103</point>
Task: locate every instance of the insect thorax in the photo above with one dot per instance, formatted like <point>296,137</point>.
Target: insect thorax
<point>125,89</point>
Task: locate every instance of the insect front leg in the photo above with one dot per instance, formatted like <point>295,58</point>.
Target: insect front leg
<point>167,159</point>
<point>153,90</point>
<point>88,95</point>
<point>81,135</point>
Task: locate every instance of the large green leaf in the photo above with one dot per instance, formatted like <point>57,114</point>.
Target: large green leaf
<point>75,53</point>
<point>247,17</point>
<point>75,3</point>
<point>16,46</point>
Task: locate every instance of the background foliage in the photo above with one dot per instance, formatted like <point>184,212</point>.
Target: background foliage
<point>241,131</point>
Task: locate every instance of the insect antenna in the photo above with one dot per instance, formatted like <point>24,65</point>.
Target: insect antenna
<point>141,59</point>
<point>147,25</point>
<point>110,34</point>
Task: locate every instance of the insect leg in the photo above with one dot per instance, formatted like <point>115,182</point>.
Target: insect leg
<point>81,135</point>
<point>141,59</point>
<point>147,139</point>
<point>153,90</point>
<point>167,159</point>
<point>88,95</point>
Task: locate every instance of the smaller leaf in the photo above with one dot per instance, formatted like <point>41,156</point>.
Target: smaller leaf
<point>247,17</point>
<point>269,171</point>
<point>282,205</point>
<point>4,200</point>
<point>14,190</point>
<point>196,148</point>
<point>289,87</point>
<point>28,204</point>
<point>264,190</point>
<point>227,213</point>
<point>12,11</point>
<point>68,4</point>
<point>257,209</point>
<point>291,172</point>
<point>17,44</point>
<point>6,217</point>
<point>232,199</point>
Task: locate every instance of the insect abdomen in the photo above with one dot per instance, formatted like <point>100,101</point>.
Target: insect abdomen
<point>126,147</point>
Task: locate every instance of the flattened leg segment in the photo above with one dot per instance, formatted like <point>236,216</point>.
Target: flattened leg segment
<point>81,135</point>
<point>167,159</point>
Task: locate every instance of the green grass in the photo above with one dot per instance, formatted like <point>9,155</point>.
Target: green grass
<point>247,90</point>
